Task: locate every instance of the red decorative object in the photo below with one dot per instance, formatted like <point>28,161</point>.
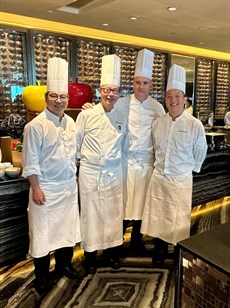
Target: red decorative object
<point>79,94</point>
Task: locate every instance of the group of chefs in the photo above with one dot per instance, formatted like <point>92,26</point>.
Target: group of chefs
<point>136,164</point>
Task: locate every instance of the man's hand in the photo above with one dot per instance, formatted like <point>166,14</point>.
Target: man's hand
<point>87,106</point>
<point>38,196</point>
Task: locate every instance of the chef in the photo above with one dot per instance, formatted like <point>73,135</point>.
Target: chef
<point>141,111</point>
<point>100,133</point>
<point>180,147</point>
<point>227,119</point>
<point>48,157</point>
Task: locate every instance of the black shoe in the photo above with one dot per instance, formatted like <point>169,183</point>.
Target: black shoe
<point>159,257</point>
<point>90,269</point>
<point>90,263</point>
<point>160,252</point>
<point>113,262</point>
<point>68,271</point>
<point>42,285</point>
<point>138,250</point>
<point>157,262</point>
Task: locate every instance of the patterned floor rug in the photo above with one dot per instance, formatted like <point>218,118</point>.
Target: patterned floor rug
<point>136,284</point>
<point>127,287</point>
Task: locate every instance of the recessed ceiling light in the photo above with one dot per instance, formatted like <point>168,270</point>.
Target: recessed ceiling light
<point>105,24</point>
<point>201,43</point>
<point>171,8</point>
<point>50,11</point>
<point>133,18</point>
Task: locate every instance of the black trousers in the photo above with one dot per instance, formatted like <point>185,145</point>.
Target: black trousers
<point>136,236</point>
<point>160,246</point>
<point>63,258</point>
<point>90,257</point>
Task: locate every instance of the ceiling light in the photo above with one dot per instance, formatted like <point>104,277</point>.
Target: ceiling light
<point>201,43</point>
<point>171,8</point>
<point>105,24</point>
<point>133,18</point>
<point>68,9</point>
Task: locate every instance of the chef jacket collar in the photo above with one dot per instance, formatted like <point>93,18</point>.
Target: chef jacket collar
<point>178,118</point>
<point>54,118</point>
<point>137,101</point>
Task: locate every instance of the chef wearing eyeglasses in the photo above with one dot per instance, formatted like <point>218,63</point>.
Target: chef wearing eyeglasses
<point>49,163</point>
<point>100,135</point>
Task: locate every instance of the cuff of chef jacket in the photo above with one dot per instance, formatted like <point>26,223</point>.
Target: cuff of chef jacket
<point>197,168</point>
<point>27,171</point>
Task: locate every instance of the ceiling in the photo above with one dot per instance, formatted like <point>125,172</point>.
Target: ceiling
<point>197,23</point>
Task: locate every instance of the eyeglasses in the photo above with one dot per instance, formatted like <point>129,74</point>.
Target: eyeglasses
<point>62,97</point>
<point>115,91</point>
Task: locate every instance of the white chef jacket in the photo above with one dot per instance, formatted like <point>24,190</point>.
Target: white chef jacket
<point>138,151</point>
<point>180,148</point>
<point>99,145</point>
<point>49,151</point>
<point>227,119</point>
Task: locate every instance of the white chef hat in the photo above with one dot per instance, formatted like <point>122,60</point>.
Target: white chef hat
<point>176,78</point>
<point>110,70</point>
<point>57,75</point>
<point>144,64</point>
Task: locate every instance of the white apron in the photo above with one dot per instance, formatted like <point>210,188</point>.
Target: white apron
<point>101,206</point>
<point>167,213</point>
<point>55,224</point>
<point>137,172</point>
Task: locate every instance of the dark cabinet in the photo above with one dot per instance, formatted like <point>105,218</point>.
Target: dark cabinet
<point>14,235</point>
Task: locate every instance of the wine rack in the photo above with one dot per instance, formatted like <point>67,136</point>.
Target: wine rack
<point>45,47</point>
<point>89,56</point>
<point>204,85</point>
<point>12,73</point>
<point>222,90</point>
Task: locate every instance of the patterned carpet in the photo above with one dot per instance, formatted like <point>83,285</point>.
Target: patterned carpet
<point>126,287</point>
<point>135,284</point>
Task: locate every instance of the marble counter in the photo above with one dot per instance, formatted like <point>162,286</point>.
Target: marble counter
<point>13,220</point>
<point>213,182</point>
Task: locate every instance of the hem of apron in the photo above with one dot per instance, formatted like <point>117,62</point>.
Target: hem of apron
<point>52,249</point>
<point>133,218</point>
<point>91,248</point>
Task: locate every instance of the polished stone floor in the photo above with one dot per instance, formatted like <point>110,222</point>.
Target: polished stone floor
<point>137,284</point>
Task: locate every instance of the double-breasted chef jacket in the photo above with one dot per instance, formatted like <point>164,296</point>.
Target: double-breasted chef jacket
<point>50,147</point>
<point>100,137</point>
<point>167,213</point>
<point>138,151</point>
